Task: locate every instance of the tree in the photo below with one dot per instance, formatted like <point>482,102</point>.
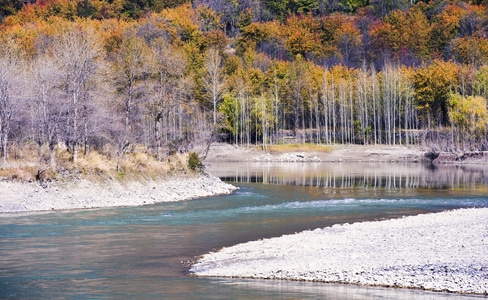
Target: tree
<point>214,79</point>
<point>348,39</point>
<point>404,35</point>
<point>432,85</point>
<point>469,117</point>
<point>444,28</point>
<point>301,36</point>
<point>278,9</point>
<point>169,88</point>
<point>9,7</point>
<point>129,70</point>
<point>48,109</point>
<point>481,82</point>
<point>297,82</point>
<point>471,50</point>
<point>9,80</point>
<point>78,50</point>
<point>303,6</point>
<point>352,5</point>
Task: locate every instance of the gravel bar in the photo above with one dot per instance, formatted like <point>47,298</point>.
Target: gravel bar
<point>446,251</point>
<point>26,197</point>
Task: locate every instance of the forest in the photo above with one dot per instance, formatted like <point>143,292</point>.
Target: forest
<point>174,76</point>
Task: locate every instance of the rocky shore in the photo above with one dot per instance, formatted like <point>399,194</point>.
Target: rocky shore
<point>440,252</point>
<point>25,197</point>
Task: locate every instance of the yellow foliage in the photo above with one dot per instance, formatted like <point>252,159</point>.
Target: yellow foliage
<point>468,114</point>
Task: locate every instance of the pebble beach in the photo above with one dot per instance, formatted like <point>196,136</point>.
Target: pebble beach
<point>16,197</point>
<point>444,251</point>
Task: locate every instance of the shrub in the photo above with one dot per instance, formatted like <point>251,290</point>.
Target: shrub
<point>194,162</point>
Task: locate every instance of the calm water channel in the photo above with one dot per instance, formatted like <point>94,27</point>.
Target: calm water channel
<point>143,252</point>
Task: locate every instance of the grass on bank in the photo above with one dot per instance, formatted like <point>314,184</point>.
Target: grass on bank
<point>29,164</point>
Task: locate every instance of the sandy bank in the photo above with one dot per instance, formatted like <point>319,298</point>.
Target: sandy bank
<point>441,252</point>
<point>23,197</point>
<point>337,153</point>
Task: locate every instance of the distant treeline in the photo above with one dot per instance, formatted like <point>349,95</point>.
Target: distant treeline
<point>174,75</point>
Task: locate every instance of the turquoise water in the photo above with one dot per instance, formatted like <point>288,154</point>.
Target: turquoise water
<point>144,252</point>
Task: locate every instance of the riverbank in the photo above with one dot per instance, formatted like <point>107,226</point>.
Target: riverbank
<point>84,194</point>
<point>343,153</point>
<point>440,252</point>
<point>333,153</point>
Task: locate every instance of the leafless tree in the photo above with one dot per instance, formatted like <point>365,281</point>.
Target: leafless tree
<point>47,108</point>
<point>214,79</point>
<point>78,50</point>
<point>9,78</point>
<point>129,70</point>
<point>169,91</point>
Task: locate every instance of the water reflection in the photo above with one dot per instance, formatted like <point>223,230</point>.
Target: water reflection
<point>354,175</point>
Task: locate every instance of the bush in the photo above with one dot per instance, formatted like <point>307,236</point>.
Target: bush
<point>194,162</point>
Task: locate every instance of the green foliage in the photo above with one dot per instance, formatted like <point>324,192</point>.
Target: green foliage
<point>230,110</point>
<point>9,7</point>
<point>352,5</point>
<point>304,6</point>
<point>481,82</point>
<point>277,8</point>
<point>194,162</point>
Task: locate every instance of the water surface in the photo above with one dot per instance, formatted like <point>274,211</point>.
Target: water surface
<point>144,252</point>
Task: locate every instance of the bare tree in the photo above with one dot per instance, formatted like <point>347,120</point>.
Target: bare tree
<point>298,81</point>
<point>48,110</point>
<point>214,79</point>
<point>9,77</point>
<point>129,69</point>
<point>169,89</point>
<point>78,50</point>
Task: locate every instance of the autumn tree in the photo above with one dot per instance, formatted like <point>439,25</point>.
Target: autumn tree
<point>469,119</point>
<point>348,40</point>
<point>481,82</point>
<point>301,36</point>
<point>432,85</point>
<point>471,50</point>
<point>403,36</point>
<point>445,27</point>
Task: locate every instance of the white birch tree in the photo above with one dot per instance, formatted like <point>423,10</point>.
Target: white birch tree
<point>214,79</point>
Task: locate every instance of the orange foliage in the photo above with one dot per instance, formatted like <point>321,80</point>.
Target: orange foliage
<point>181,23</point>
<point>302,35</point>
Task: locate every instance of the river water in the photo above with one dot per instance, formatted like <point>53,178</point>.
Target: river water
<point>145,252</point>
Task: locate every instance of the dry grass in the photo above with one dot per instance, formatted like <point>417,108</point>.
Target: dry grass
<point>23,173</point>
<point>139,164</point>
<point>298,147</point>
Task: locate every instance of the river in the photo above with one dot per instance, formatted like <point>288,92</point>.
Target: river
<point>144,252</point>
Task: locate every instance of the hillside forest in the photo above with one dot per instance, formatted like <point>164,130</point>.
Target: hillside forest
<point>173,76</point>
